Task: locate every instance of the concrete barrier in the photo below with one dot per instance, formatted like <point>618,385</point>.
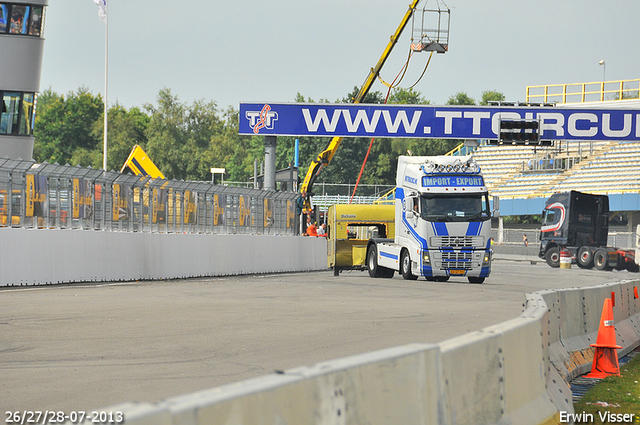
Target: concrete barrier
<point>574,320</point>
<point>36,257</point>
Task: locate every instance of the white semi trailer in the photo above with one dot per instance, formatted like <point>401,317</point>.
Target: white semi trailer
<point>442,222</point>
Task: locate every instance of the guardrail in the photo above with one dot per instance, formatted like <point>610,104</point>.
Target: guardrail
<point>513,372</point>
<point>584,92</point>
<point>323,202</point>
<point>41,195</point>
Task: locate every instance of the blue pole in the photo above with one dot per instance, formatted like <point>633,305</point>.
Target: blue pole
<point>297,153</point>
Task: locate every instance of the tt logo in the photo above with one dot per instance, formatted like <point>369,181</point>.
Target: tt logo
<point>262,119</point>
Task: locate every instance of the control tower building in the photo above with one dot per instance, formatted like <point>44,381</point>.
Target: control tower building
<point>21,50</point>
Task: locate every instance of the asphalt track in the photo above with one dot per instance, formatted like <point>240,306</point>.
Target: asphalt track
<point>83,347</point>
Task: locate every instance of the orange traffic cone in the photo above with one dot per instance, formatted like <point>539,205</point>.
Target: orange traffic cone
<point>605,359</point>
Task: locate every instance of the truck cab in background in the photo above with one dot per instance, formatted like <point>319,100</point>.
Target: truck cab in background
<point>442,222</point>
<point>578,224</point>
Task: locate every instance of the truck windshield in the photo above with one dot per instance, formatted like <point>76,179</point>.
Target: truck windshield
<point>550,216</point>
<point>441,207</point>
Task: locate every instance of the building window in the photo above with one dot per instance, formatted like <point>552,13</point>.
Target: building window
<point>35,22</point>
<point>4,12</point>
<point>21,19</point>
<point>16,113</point>
<point>26,117</point>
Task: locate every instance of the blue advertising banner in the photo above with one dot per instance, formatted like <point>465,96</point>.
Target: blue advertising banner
<point>427,121</point>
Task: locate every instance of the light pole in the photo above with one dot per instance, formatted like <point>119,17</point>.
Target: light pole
<point>604,69</point>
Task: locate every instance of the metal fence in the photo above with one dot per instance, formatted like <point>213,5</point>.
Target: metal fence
<point>617,237</point>
<point>42,195</point>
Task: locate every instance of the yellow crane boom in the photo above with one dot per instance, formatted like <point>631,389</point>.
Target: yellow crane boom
<point>324,158</point>
<point>141,165</point>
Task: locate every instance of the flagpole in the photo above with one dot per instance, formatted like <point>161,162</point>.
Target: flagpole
<point>106,87</point>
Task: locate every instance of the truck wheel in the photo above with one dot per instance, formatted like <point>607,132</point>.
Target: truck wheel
<point>553,257</point>
<point>585,257</point>
<point>372,265</point>
<point>406,266</point>
<point>372,262</point>
<point>601,259</point>
<point>476,279</point>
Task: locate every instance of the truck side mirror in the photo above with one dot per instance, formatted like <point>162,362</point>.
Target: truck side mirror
<point>414,206</point>
<point>411,204</point>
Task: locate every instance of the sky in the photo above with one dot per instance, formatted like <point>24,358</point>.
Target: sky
<point>231,51</point>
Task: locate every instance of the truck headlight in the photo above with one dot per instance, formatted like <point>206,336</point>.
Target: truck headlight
<point>425,258</point>
<point>487,259</point>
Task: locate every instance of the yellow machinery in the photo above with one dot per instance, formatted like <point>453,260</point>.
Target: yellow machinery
<point>4,208</point>
<point>141,165</point>
<point>350,227</point>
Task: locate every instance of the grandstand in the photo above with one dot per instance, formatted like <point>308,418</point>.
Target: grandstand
<point>526,172</point>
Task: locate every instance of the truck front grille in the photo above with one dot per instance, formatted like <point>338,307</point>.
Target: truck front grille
<point>457,265</point>
<point>457,256</point>
<point>457,260</point>
<point>457,241</point>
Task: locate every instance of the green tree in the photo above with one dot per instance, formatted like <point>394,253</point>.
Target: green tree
<point>126,128</point>
<point>371,97</point>
<point>235,152</point>
<point>65,125</point>
<point>166,134</point>
<point>491,96</point>
<point>70,130</point>
<point>178,135</point>
<point>460,98</point>
<point>407,97</point>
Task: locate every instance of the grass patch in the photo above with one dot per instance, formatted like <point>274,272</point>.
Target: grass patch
<point>614,395</point>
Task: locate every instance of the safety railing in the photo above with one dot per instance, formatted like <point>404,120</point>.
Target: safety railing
<point>466,149</point>
<point>34,195</point>
<point>584,92</point>
<point>325,201</point>
<point>549,164</point>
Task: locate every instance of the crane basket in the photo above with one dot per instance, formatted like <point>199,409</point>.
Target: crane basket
<point>430,28</point>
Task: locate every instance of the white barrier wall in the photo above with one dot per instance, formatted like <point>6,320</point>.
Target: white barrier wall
<point>35,257</point>
<point>515,372</point>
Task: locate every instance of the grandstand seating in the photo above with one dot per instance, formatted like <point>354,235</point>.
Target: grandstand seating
<point>605,167</point>
<point>528,172</point>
